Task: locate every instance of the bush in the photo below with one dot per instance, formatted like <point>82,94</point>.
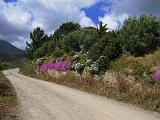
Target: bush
<point>28,69</point>
<point>158,103</point>
<point>94,69</point>
<point>58,53</point>
<point>140,35</point>
<point>39,61</point>
<point>40,52</point>
<point>80,40</point>
<point>76,57</point>
<point>129,66</point>
<point>65,29</point>
<point>79,67</point>
<point>108,45</point>
<point>1,66</point>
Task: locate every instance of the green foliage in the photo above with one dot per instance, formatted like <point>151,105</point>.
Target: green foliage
<point>40,52</point>
<point>58,53</point>
<point>158,103</point>
<point>79,40</point>
<point>9,64</point>
<point>79,67</point>
<point>140,34</point>
<point>108,46</point>
<point>102,29</point>
<point>28,69</point>
<point>66,28</point>
<point>38,37</point>
<point>103,63</point>
<point>129,66</point>
<point>1,67</point>
<point>149,79</point>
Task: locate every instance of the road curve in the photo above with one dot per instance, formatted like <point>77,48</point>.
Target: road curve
<point>41,100</point>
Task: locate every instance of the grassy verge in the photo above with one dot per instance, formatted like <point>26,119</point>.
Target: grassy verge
<point>8,100</point>
<point>144,95</point>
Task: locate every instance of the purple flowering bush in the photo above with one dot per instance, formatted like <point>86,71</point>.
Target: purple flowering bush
<point>58,66</point>
<point>157,75</point>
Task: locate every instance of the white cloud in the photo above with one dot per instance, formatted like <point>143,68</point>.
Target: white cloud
<point>19,18</point>
<point>121,9</point>
<point>85,21</point>
<point>113,21</point>
<point>136,7</point>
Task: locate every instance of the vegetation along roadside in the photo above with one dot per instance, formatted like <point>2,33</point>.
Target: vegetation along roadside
<point>8,100</point>
<point>123,64</point>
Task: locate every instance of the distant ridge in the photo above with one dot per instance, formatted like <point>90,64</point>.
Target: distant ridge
<point>10,52</point>
<point>6,47</point>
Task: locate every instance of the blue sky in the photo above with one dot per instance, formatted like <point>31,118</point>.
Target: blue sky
<point>97,10</point>
<point>19,17</point>
<point>10,0</point>
<point>93,12</point>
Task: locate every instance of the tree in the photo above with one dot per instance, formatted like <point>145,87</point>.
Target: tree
<point>140,35</point>
<point>105,49</point>
<point>79,40</point>
<point>97,49</point>
<point>38,37</point>
<point>102,29</point>
<point>66,28</point>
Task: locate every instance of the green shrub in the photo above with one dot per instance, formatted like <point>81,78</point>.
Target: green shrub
<point>79,67</point>
<point>140,35</point>
<point>158,103</point>
<point>129,66</point>
<point>94,68</point>
<point>28,69</point>
<point>76,57</point>
<point>1,67</point>
<point>80,40</point>
<point>58,53</point>
<point>107,46</point>
<point>40,52</point>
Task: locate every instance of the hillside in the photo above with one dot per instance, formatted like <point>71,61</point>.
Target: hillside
<point>8,48</point>
<point>9,52</point>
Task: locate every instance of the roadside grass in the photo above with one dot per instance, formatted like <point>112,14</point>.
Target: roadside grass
<point>145,95</point>
<point>8,100</point>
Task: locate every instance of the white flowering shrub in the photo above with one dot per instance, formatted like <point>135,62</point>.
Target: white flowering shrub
<point>79,67</point>
<point>88,62</point>
<point>76,57</point>
<point>72,67</point>
<point>94,69</point>
<point>39,61</point>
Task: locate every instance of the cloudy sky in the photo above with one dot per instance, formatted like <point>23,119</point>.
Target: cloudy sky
<point>19,17</point>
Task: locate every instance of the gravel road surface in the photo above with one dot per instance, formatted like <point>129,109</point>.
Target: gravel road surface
<point>41,100</point>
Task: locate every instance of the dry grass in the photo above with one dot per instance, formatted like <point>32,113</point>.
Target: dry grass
<point>8,101</point>
<point>113,85</point>
<point>151,60</point>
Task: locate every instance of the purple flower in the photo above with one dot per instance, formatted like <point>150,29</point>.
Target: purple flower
<point>58,66</point>
<point>157,75</point>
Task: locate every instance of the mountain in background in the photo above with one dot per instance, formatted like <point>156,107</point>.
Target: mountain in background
<point>8,48</point>
<point>9,52</point>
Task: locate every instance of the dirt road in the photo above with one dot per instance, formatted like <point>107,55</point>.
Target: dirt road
<point>41,100</point>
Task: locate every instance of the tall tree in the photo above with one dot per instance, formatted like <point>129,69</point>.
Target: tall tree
<point>38,37</point>
<point>140,34</point>
<point>102,29</point>
<point>66,28</point>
